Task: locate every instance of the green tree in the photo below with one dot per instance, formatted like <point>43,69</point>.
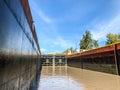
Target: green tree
<point>112,38</point>
<point>87,42</point>
<point>95,43</point>
<point>66,51</point>
<point>119,36</point>
<point>71,49</point>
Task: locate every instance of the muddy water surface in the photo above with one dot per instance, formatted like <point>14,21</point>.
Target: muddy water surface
<point>69,78</point>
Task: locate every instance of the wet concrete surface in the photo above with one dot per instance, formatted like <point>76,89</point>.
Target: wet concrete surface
<point>70,78</point>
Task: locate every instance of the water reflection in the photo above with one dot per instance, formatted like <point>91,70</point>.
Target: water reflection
<point>69,78</point>
<point>56,78</point>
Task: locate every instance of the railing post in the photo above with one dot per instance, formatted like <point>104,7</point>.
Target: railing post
<point>65,61</point>
<point>53,60</point>
<point>116,59</point>
<point>81,60</point>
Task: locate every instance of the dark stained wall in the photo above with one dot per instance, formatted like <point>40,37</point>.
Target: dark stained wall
<point>104,59</point>
<point>19,52</point>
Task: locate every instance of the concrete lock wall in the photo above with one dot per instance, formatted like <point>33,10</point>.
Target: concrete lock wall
<point>19,56</point>
<point>97,64</point>
<point>105,59</point>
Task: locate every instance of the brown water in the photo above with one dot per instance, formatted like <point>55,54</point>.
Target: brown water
<point>69,78</point>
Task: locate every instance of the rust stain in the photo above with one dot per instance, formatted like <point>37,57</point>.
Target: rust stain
<point>106,50</point>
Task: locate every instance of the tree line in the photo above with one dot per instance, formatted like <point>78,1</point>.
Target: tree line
<point>87,42</point>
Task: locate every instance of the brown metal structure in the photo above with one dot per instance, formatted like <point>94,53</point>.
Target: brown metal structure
<point>106,50</point>
<point>107,55</point>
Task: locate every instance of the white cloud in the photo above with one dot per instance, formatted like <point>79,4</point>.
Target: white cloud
<point>100,30</point>
<point>43,50</point>
<point>43,17</point>
<point>62,43</point>
<point>39,12</point>
<point>57,42</point>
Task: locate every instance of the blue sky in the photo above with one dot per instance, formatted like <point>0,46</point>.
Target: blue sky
<point>60,24</point>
